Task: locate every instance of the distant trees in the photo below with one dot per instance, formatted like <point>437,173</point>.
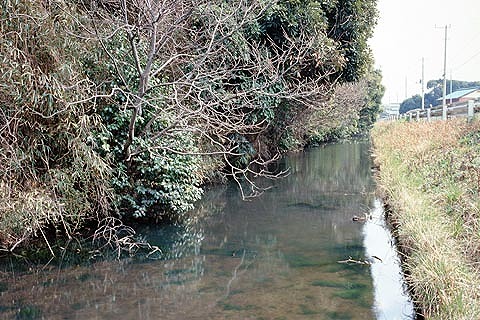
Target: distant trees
<point>411,103</point>
<point>435,93</point>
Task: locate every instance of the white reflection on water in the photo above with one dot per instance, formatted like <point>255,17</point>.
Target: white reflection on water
<point>392,302</point>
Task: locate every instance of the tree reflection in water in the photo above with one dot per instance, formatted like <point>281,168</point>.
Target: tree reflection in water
<point>274,257</point>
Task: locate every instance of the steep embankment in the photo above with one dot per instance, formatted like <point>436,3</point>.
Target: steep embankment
<point>430,175</point>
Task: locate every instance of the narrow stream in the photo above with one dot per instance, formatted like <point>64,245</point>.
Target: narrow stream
<point>275,257</point>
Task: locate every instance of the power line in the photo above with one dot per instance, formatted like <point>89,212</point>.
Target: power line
<point>444,87</point>
<point>466,45</point>
<point>467,61</point>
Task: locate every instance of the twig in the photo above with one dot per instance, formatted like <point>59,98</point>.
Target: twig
<point>353,261</point>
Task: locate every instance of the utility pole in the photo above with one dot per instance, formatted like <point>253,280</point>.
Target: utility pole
<point>406,90</point>
<point>444,100</point>
<point>423,81</point>
<point>451,80</point>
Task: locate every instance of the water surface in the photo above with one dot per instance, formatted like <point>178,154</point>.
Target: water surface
<point>275,257</point>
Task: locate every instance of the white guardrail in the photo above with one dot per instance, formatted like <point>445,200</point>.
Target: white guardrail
<point>465,110</point>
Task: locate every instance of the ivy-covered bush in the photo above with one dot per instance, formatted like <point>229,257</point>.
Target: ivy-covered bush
<point>162,177</point>
<point>156,183</point>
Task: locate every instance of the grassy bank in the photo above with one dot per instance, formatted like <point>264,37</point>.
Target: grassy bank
<point>430,175</point>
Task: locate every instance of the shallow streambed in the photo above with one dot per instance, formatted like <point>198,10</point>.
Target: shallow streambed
<point>275,257</point>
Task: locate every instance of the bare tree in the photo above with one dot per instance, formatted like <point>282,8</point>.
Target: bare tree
<point>190,61</point>
<point>342,109</point>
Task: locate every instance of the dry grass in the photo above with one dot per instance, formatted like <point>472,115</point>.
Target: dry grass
<point>50,174</point>
<point>428,172</point>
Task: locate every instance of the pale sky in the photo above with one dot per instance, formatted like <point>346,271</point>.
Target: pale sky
<point>411,29</point>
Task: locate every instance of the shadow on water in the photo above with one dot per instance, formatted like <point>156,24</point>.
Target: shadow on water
<point>271,258</point>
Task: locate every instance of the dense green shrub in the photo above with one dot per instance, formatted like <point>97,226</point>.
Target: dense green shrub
<point>154,182</point>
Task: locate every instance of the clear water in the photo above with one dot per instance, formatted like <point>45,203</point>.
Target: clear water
<point>275,257</point>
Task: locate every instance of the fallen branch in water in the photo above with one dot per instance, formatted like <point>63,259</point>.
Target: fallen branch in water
<point>121,238</point>
<point>350,260</point>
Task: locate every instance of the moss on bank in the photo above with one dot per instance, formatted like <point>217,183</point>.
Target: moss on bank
<point>429,174</point>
